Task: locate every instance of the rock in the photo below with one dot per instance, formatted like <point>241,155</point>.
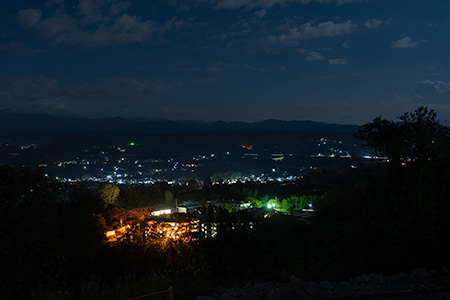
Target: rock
<point>369,287</point>
<point>326,285</point>
<point>418,280</point>
<point>226,296</point>
<point>329,293</point>
<point>235,292</point>
<point>345,283</point>
<point>313,291</point>
<point>421,272</point>
<point>420,287</point>
<point>365,278</point>
<point>398,277</point>
<point>291,288</point>
<point>373,278</point>
<point>341,288</point>
<point>204,298</point>
<point>300,285</point>
<point>269,296</point>
<point>334,286</point>
<point>356,280</point>
<point>293,279</point>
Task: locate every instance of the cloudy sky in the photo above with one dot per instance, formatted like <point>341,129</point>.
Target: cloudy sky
<point>343,61</point>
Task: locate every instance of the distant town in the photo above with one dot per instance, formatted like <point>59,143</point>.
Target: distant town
<point>130,163</point>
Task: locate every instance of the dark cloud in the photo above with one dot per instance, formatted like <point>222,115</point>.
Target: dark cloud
<point>29,17</point>
<point>311,31</point>
<point>343,57</point>
<point>405,42</point>
<point>105,97</point>
<point>249,4</point>
<point>314,56</point>
<point>204,80</point>
<point>253,68</point>
<point>217,67</point>
<point>375,23</point>
<point>260,13</point>
<point>93,23</point>
<point>252,4</point>
<point>434,94</point>
<point>338,61</point>
<point>428,91</point>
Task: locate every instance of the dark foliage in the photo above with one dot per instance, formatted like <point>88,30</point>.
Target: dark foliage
<point>392,222</point>
<point>417,137</point>
<point>379,218</point>
<point>48,234</point>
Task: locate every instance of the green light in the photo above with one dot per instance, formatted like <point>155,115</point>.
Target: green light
<point>432,142</point>
<point>132,144</point>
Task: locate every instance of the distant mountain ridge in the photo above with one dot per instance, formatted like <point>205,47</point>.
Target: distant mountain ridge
<point>23,123</point>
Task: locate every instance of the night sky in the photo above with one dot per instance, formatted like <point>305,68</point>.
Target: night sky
<point>342,61</point>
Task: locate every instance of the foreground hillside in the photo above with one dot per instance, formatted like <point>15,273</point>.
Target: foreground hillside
<point>419,284</point>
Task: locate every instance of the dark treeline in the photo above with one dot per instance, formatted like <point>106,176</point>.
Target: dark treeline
<point>385,217</point>
<point>315,183</point>
<point>48,233</point>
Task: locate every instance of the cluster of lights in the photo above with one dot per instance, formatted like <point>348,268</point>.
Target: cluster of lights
<point>171,230</point>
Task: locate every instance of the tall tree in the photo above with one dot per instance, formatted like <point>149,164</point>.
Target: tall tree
<point>168,195</point>
<point>109,194</point>
<point>416,137</point>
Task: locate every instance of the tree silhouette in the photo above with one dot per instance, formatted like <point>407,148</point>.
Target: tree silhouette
<point>109,194</point>
<point>396,220</point>
<point>47,230</point>
<point>417,137</point>
<point>168,195</point>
